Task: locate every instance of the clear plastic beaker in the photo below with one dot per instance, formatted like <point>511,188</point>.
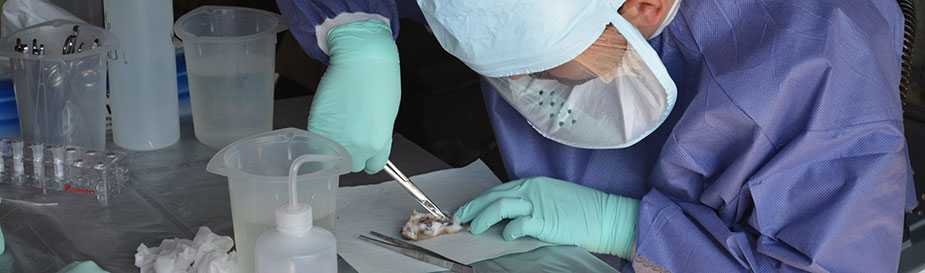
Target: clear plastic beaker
<point>230,57</point>
<point>61,97</point>
<point>258,168</point>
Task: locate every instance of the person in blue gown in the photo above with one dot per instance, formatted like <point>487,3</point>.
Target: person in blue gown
<point>777,146</point>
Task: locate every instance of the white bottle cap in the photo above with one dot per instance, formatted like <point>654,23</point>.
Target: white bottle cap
<point>294,220</point>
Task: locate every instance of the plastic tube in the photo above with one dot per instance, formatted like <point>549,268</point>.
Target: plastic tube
<point>294,175</point>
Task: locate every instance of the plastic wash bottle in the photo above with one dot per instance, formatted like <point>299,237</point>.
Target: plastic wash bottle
<point>295,246</point>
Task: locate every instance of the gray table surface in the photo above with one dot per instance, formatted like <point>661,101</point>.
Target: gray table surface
<point>171,195</point>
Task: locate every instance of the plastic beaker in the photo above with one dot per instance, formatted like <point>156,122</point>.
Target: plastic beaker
<point>61,97</point>
<point>230,57</point>
<point>258,168</point>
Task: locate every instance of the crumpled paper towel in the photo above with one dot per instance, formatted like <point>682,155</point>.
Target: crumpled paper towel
<point>206,253</point>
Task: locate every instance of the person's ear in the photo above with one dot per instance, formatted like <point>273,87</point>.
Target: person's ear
<point>646,15</point>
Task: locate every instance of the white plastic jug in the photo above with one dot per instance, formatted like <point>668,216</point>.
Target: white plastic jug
<point>295,245</point>
<point>258,168</point>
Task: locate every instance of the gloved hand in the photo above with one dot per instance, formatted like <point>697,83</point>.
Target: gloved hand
<point>82,267</point>
<point>558,212</point>
<point>358,96</point>
<point>2,242</point>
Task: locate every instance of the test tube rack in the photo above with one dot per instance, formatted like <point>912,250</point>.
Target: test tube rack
<point>101,174</point>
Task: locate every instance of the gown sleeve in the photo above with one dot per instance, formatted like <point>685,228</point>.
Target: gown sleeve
<point>310,20</point>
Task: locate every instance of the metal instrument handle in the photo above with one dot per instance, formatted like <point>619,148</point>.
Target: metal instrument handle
<point>413,189</point>
<point>416,252</point>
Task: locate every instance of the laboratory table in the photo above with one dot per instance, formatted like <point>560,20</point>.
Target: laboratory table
<point>170,196</point>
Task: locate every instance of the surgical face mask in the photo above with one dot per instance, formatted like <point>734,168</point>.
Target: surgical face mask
<point>595,108</point>
<point>598,61</point>
<point>521,49</point>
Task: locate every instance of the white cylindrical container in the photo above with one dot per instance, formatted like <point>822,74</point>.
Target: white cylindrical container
<point>143,82</point>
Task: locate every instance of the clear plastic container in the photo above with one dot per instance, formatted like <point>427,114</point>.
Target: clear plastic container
<point>61,98</point>
<point>143,83</point>
<point>257,169</point>
<point>230,57</point>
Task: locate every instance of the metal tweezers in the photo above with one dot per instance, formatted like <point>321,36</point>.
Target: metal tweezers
<point>413,189</point>
<point>416,252</point>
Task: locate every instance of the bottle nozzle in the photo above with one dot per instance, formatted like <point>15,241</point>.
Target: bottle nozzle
<point>295,218</point>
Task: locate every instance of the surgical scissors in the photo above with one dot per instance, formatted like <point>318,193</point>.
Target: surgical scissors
<point>416,252</point>
<point>413,189</point>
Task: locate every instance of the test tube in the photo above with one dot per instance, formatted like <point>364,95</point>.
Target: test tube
<point>114,174</point>
<point>38,166</point>
<point>38,156</point>
<point>76,173</point>
<point>111,157</point>
<point>4,152</point>
<point>102,186</point>
<point>57,159</point>
<point>71,154</point>
<point>91,156</point>
<point>18,168</point>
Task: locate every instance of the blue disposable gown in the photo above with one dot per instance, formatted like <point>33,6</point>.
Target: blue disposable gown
<point>785,152</point>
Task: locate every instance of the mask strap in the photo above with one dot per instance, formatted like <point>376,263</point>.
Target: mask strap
<point>668,18</point>
<point>637,42</point>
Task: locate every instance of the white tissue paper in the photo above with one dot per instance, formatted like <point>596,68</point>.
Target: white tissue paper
<point>216,262</point>
<point>206,253</point>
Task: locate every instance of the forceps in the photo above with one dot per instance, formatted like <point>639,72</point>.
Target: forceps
<point>416,252</point>
<point>413,189</point>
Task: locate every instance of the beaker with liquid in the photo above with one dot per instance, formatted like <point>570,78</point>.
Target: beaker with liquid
<point>257,169</point>
<point>230,58</point>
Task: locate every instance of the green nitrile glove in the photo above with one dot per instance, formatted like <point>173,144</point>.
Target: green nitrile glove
<point>82,267</point>
<point>357,99</point>
<point>558,212</point>
<point>2,242</point>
